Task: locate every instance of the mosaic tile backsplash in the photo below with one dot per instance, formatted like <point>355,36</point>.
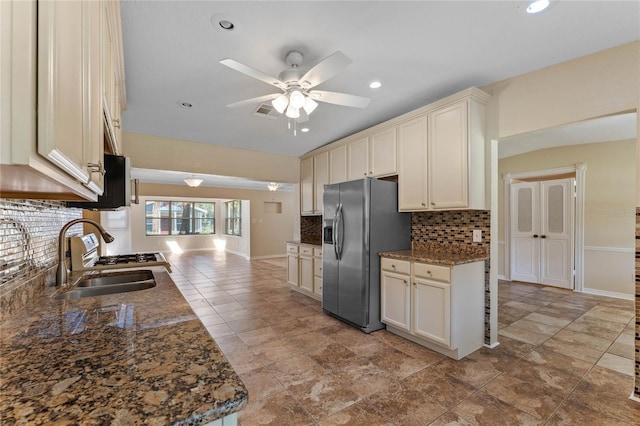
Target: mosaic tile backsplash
<point>28,246</point>
<point>311,229</point>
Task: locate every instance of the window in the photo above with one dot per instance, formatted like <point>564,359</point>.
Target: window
<point>233,221</point>
<point>180,218</point>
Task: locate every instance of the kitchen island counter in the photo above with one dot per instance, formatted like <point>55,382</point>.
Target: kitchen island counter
<point>128,358</point>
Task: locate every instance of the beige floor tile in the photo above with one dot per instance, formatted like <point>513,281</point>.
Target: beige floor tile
<point>484,409</point>
<point>616,363</point>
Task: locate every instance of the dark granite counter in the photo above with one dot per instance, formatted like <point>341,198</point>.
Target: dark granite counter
<point>439,254</point>
<point>128,358</point>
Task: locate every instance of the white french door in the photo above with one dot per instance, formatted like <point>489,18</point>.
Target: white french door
<point>542,232</point>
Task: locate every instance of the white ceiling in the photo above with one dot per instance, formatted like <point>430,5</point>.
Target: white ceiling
<point>420,50</point>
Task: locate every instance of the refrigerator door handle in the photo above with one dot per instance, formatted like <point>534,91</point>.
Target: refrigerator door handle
<point>340,226</point>
<point>334,233</point>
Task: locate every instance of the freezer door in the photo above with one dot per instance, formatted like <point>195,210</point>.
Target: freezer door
<point>353,277</point>
<point>331,200</point>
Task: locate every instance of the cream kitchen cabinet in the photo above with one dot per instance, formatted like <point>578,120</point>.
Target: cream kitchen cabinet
<point>292,265</point>
<point>373,156</point>
<point>320,179</point>
<point>338,164</point>
<point>307,199</point>
<point>442,308</point>
<point>306,268</point>
<point>396,293</point>
<point>53,144</point>
<point>304,272</point>
<point>314,175</point>
<point>413,192</point>
<point>441,156</point>
<point>113,87</point>
<point>317,272</point>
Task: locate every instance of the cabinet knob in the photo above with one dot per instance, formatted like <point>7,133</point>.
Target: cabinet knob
<point>433,204</point>
<point>404,281</point>
<point>393,266</point>
<point>365,173</point>
<point>423,205</point>
<point>429,272</point>
<point>414,284</point>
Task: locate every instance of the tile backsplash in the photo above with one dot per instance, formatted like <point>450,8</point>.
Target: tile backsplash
<point>28,246</point>
<point>311,229</point>
<point>451,227</point>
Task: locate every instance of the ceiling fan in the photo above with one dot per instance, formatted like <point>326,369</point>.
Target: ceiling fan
<point>297,99</point>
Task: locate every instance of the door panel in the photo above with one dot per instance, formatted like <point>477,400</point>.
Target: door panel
<point>525,248</point>
<point>395,300</point>
<point>331,199</point>
<point>557,232</point>
<point>354,271</point>
<point>432,311</point>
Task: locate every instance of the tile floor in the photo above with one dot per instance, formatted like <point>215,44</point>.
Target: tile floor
<point>564,358</point>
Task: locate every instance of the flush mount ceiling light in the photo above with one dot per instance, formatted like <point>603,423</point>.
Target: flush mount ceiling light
<point>375,84</point>
<point>304,129</point>
<point>193,182</point>
<point>537,6</point>
<point>534,7</point>
<point>273,186</point>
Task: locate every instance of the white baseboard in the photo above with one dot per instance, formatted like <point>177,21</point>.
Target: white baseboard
<point>614,294</point>
<point>502,277</point>
<point>237,253</point>
<point>493,345</point>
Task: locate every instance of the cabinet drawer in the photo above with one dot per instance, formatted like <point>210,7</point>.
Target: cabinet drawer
<point>292,248</point>
<point>433,272</point>
<point>317,251</point>
<point>306,251</point>
<point>395,265</point>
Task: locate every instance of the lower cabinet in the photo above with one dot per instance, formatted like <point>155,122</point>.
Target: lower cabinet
<point>304,272</point>
<point>440,307</point>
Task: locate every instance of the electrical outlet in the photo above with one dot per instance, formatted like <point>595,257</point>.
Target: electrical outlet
<point>477,235</point>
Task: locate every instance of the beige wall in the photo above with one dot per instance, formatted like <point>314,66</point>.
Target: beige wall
<point>592,86</point>
<point>267,233</point>
<point>154,152</point>
<point>609,206</point>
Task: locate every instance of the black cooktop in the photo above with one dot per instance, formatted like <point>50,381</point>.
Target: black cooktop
<point>127,258</point>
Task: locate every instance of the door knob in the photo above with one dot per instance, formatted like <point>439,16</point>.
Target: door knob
<point>543,236</point>
<point>535,235</point>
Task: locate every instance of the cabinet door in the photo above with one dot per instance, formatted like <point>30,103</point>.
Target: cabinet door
<point>317,275</point>
<point>306,273</point>
<point>292,271</point>
<point>306,186</point>
<point>358,159</point>
<point>412,165</point>
<point>383,153</point>
<point>338,164</point>
<point>320,179</point>
<point>432,310</point>
<point>69,81</point>
<point>448,157</point>
<point>395,300</point>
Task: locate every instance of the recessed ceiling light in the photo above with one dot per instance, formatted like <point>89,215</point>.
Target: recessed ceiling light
<point>226,25</point>
<point>537,6</point>
<point>304,129</point>
<point>375,84</point>
<point>185,105</point>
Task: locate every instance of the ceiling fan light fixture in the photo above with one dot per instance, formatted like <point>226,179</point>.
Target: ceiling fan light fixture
<point>193,182</point>
<point>296,99</point>
<point>309,105</point>
<point>280,103</point>
<point>272,186</point>
<point>292,112</point>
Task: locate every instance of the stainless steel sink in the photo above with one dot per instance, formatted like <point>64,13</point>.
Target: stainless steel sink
<point>100,285</point>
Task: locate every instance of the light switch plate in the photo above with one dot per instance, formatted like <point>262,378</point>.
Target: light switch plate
<point>477,235</point>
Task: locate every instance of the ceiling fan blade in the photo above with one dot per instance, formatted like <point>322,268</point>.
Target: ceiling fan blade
<point>339,98</point>
<point>254,100</point>
<point>325,69</point>
<point>251,72</point>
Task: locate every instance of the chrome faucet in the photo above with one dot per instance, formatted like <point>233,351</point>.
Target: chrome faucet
<point>61,273</point>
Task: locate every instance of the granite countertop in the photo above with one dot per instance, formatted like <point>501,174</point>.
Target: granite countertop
<point>319,244</point>
<point>439,254</point>
<point>128,358</point>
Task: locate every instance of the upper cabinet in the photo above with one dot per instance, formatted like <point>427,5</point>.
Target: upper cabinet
<point>113,87</point>
<point>338,164</point>
<point>53,141</point>
<point>373,156</point>
<point>314,175</point>
<point>307,200</point>
<point>320,179</point>
<point>441,156</point>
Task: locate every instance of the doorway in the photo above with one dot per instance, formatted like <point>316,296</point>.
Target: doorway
<point>542,231</point>
<point>537,261</point>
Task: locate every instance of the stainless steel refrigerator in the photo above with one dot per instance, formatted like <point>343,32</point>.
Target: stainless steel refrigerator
<point>360,219</point>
